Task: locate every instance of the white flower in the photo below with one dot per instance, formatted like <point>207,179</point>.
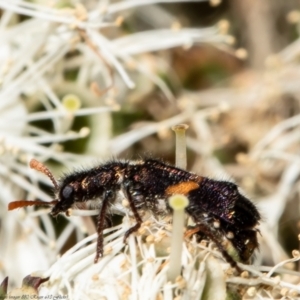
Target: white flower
<point>37,54</point>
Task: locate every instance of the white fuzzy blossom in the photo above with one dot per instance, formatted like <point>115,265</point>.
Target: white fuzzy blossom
<point>61,61</point>
<point>35,56</point>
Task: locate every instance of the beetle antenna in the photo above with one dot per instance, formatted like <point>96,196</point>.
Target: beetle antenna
<point>25,203</point>
<point>34,164</point>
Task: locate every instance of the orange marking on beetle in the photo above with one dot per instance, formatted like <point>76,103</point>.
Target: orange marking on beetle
<point>182,188</point>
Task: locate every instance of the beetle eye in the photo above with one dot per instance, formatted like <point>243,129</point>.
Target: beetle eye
<point>67,192</point>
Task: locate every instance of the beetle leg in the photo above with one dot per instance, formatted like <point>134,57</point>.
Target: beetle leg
<point>136,215</point>
<point>108,196</point>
